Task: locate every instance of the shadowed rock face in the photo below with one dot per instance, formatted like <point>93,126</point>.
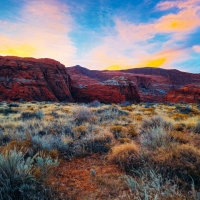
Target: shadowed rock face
<point>187,94</point>
<point>32,79</point>
<point>152,84</point>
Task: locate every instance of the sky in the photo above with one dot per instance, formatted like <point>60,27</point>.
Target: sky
<point>104,34</point>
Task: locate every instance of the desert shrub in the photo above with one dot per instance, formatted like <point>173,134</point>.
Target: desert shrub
<point>51,142</point>
<point>98,144</point>
<point>7,111</point>
<point>146,105</point>
<point>197,128</point>
<point>117,131</point>
<point>137,117</point>
<point>180,116</point>
<point>126,156</point>
<point>31,115</point>
<point>180,137</point>
<point>128,108</point>
<point>111,113</point>
<point>184,110</point>
<point>132,131</point>
<point>13,105</point>
<point>155,122</point>
<point>149,184</point>
<point>23,146</point>
<point>4,139</point>
<point>125,103</point>
<point>80,131</point>
<point>95,104</point>
<point>125,140</point>
<point>155,138</point>
<point>180,162</point>
<point>179,127</point>
<point>17,180</point>
<point>82,114</point>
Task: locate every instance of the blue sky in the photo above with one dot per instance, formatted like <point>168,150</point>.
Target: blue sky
<point>104,34</point>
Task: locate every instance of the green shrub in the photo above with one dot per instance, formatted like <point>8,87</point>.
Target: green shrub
<point>149,184</point>
<point>99,144</point>
<point>82,114</point>
<point>7,111</point>
<point>155,122</point>
<point>31,115</point>
<point>17,180</point>
<point>155,138</point>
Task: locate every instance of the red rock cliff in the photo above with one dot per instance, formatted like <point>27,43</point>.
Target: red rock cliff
<point>187,94</point>
<point>32,79</point>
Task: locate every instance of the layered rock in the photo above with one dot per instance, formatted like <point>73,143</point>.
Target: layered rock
<point>32,79</point>
<point>88,86</point>
<point>152,84</point>
<point>187,94</point>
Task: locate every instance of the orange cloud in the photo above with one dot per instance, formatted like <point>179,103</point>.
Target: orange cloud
<point>127,45</point>
<point>41,31</point>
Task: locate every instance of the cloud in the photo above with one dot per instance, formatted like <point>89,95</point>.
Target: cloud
<point>41,31</point>
<point>130,45</point>
<point>196,48</point>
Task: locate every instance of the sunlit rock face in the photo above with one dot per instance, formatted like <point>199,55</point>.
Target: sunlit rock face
<point>32,79</point>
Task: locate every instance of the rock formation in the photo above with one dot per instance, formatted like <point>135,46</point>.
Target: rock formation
<point>187,94</point>
<point>32,79</point>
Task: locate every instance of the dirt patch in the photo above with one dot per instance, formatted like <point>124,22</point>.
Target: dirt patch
<point>91,177</point>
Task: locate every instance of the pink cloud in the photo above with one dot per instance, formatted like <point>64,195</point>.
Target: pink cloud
<point>127,44</point>
<point>41,31</point>
<point>196,48</point>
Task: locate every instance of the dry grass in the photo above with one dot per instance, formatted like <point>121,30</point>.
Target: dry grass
<point>132,137</point>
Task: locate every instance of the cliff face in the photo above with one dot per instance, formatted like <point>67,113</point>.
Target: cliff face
<point>89,85</point>
<point>187,94</point>
<point>152,84</point>
<point>32,79</point>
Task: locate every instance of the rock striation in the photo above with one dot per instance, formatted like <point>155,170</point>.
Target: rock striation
<point>32,79</point>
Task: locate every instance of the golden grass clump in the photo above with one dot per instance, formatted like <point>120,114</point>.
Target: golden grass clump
<point>128,108</point>
<point>132,131</point>
<point>180,137</point>
<point>137,117</point>
<point>79,131</point>
<point>19,146</point>
<point>179,127</point>
<point>118,131</point>
<point>179,161</point>
<point>125,155</point>
<point>179,116</point>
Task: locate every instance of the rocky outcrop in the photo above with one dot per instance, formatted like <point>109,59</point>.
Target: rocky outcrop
<point>32,79</point>
<point>88,86</point>
<point>152,84</point>
<point>187,94</point>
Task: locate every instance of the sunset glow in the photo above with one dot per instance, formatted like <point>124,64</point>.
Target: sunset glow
<point>110,35</point>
